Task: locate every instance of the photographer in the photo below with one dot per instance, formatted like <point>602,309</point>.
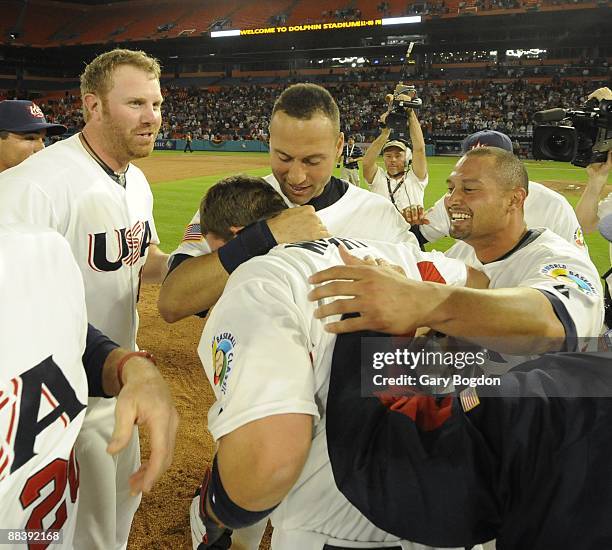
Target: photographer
<point>404,178</point>
<point>589,209</point>
<point>351,155</point>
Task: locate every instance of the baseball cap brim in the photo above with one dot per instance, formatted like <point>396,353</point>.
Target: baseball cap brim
<point>394,143</point>
<point>52,129</point>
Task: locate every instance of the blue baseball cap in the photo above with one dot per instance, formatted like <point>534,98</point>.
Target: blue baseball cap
<point>22,116</point>
<point>486,138</point>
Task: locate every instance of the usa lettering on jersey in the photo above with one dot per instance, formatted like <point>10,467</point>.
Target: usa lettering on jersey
<point>131,245</point>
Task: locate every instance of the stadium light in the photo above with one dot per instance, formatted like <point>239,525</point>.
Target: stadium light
<point>401,20</point>
<point>219,34</point>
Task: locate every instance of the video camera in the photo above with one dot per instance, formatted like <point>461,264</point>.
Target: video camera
<point>585,136</point>
<point>397,119</point>
<point>397,113</point>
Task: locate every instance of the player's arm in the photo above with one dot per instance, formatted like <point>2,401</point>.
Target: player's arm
<point>193,286</point>
<point>369,159</point>
<point>197,283</point>
<point>586,208</point>
<point>390,303</point>
<point>156,266</point>
<point>277,447</point>
<point>419,160</point>
<point>143,399</point>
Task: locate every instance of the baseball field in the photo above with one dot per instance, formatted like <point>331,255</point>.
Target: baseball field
<point>178,181</point>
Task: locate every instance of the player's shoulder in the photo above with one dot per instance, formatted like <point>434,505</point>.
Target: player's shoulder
<point>542,194</point>
<point>550,245</point>
<point>17,230</point>
<point>55,165</point>
<point>30,239</point>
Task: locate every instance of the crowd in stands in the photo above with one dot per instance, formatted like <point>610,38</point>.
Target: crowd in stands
<point>449,109</point>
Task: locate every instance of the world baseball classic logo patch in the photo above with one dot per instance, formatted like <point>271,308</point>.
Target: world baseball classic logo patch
<point>569,277</point>
<point>223,346</point>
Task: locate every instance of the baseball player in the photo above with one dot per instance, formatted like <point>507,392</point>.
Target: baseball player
<point>404,178</point>
<point>305,141</point>
<point>543,292</point>
<point>526,462</point>
<point>23,129</point>
<point>50,361</point>
<point>543,206</point>
<point>351,155</point>
<point>269,419</point>
<point>86,188</point>
<point>227,207</point>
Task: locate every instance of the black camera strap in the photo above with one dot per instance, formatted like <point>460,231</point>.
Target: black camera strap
<point>397,186</point>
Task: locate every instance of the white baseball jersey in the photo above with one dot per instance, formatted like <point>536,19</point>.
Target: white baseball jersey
<point>604,209</point>
<point>109,229</point>
<point>43,385</point>
<point>357,214</point>
<point>406,190</point>
<point>265,354</point>
<point>549,263</point>
<point>543,208</point>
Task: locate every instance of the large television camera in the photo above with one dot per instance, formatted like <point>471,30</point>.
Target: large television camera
<point>399,109</point>
<point>584,137</point>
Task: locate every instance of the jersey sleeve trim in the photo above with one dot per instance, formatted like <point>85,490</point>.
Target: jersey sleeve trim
<point>566,320</point>
<point>219,429</point>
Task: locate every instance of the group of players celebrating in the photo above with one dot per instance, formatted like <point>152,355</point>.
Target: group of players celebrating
<point>292,271</point>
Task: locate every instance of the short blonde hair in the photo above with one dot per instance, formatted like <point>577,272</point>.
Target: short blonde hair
<point>97,78</point>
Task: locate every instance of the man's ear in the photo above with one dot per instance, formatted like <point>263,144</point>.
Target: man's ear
<point>93,104</point>
<point>339,145</point>
<point>517,199</point>
<point>235,229</point>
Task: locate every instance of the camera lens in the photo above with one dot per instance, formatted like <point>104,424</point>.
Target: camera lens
<point>559,144</point>
<point>555,143</point>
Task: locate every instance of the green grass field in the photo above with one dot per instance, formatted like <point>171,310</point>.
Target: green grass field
<point>176,201</point>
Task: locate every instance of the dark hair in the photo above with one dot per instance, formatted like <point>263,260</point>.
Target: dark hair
<point>509,170</point>
<point>303,101</point>
<point>238,201</point>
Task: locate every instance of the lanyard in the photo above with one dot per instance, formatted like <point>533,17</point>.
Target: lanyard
<point>392,193</point>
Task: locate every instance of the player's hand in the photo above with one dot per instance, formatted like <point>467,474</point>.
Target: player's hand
<point>598,172</point>
<point>297,224</point>
<point>415,215</point>
<point>206,534</point>
<point>145,400</point>
<point>382,295</point>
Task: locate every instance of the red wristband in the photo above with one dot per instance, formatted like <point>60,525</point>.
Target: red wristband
<point>126,357</point>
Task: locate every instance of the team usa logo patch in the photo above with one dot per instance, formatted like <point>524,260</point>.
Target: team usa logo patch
<point>569,277</point>
<point>579,237</point>
<point>35,111</point>
<point>222,359</point>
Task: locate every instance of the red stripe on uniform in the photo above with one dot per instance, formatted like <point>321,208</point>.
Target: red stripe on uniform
<point>425,411</point>
<point>429,272</point>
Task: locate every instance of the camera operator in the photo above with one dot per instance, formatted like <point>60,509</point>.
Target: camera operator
<point>543,206</point>
<point>404,178</point>
<point>590,210</point>
<point>351,155</point>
